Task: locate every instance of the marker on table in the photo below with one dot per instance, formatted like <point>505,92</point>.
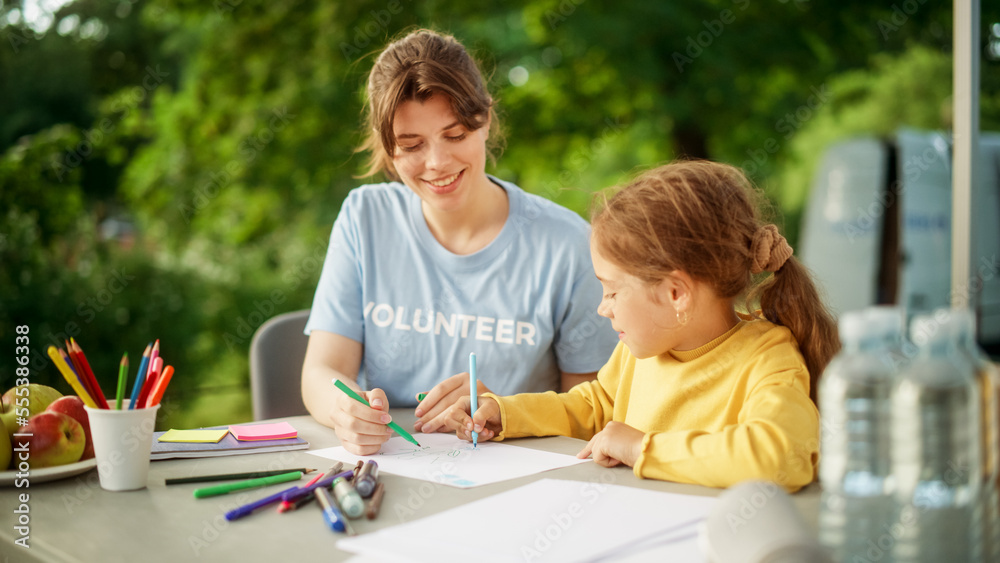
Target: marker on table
<point>376,502</point>
<point>397,428</point>
<point>247,509</point>
<point>248,484</point>
<point>366,479</point>
<point>232,476</point>
<point>331,515</point>
<point>473,395</point>
<point>287,505</point>
<point>348,498</point>
<point>327,481</point>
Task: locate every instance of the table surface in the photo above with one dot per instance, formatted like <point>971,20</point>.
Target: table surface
<point>73,519</point>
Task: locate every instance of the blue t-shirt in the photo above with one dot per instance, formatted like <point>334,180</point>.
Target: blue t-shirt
<point>526,304</point>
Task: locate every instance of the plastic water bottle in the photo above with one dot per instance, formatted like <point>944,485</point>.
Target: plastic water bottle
<point>988,382</point>
<point>855,464</point>
<point>936,449</point>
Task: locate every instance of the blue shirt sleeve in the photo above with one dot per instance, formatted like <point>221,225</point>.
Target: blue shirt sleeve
<point>337,305</point>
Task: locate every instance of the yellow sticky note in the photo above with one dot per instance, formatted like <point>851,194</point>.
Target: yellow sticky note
<point>195,436</point>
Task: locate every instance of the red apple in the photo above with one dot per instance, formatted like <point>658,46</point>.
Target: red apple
<point>73,406</point>
<point>56,439</point>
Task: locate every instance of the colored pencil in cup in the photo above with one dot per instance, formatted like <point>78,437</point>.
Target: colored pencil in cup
<point>160,386</point>
<point>122,376</point>
<point>70,377</point>
<point>140,377</point>
<point>101,401</point>
<point>155,371</point>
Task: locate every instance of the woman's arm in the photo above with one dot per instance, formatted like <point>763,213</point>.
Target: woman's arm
<point>361,429</point>
<point>571,380</point>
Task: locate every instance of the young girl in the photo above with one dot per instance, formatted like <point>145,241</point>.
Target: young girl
<point>696,391</point>
<point>442,261</point>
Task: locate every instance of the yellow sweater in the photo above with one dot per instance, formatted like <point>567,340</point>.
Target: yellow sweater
<point>737,408</point>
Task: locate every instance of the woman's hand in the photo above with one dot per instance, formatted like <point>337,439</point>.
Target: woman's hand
<point>485,421</point>
<point>617,443</point>
<point>362,430</point>
<point>430,411</point>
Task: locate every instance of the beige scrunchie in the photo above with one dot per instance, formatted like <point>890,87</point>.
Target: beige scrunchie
<point>769,250</point>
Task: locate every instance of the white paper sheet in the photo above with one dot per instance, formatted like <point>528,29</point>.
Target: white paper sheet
<point>548,520</point>
<point>448,460</point>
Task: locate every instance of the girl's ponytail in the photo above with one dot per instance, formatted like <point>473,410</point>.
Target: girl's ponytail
<point>789,298</point>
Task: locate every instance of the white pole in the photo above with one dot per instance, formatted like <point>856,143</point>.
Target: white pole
<point>965,100</point>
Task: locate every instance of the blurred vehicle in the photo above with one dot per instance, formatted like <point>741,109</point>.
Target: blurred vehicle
<point>877,226</point>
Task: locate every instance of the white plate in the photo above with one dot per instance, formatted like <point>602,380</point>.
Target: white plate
<point>7,478</point>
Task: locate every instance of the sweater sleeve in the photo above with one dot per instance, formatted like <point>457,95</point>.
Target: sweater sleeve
<point>581,412</point>
<point>775,439</point>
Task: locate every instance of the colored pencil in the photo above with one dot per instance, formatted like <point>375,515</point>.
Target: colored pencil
<point>69,363</point>
<point>233,476</point>
<point>155,370</point>
<point>292,496</point>
<point>70,377</point>
<point>122,377</point>
<point>140,377</point>
<point>249,508</point>
<point>155,352</point>
<point>99,399</point>
<point>227,488</point>
<point>399,429</point>
<point>161,385</point>
<point>74,363</point>
<point>289,505</point>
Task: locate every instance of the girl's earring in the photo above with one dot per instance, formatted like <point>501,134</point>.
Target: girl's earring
<point>682,320</point>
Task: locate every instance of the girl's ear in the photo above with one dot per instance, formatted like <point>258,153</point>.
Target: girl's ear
<point>677,290</point>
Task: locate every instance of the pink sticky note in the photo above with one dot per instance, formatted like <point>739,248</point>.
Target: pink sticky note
<point>272,431</point>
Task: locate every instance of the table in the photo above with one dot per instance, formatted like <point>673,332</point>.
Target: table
<point>74,520</point>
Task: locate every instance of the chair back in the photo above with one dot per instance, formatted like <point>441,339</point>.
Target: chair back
<point>277,351</point>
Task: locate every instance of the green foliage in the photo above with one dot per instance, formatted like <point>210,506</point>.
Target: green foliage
<point>223,131</point>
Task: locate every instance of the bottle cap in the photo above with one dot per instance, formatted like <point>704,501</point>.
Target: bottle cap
<point>852,328</point>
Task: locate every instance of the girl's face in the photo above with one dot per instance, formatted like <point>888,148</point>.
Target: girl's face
<point>436,156</point>
<point>647,326</point>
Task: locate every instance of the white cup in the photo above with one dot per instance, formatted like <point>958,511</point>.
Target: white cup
<point>122,442</point>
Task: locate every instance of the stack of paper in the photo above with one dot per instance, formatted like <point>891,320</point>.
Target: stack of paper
<point>548,520</point>
<point>270,431</point>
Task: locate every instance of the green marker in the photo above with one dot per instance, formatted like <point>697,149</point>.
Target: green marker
<point>421,396</point>
<point>350,393</point>
<point>248,484</point>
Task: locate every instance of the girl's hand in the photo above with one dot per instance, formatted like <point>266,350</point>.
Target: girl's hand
<point>362,429</point>
<point>617,443</point>
<point>485,421</point>
<point>430,411</point>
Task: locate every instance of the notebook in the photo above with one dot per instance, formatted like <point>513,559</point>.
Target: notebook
<point>229,445</point>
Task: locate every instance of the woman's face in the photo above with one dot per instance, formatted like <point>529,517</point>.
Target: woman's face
<point>436,156</point>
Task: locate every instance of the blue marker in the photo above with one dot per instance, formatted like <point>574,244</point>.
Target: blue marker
<point>473,395</point>
<point>331,515</point>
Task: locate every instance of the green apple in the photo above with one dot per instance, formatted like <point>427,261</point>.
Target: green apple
<point>34,396</point>
<point>6,451</point>
<point>55,439</point>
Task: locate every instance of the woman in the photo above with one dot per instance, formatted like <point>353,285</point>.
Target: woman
<point>444,261</point>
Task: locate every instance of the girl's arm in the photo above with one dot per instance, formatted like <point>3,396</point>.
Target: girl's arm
<point>776,439</point>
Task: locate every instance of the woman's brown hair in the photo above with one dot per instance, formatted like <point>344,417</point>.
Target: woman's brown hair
<point>416,67</point>
<point>704,218</point>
